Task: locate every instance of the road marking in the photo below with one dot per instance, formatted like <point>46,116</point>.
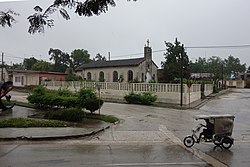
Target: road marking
<point>157,164</point>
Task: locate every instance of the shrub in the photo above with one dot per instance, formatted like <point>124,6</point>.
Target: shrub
<point>64,92</point>
<point>42,98</point>
<point>71,115</point>
<point>84,95</point>
<point>145,98</point>
<point>93,104</point>
<point>63,98</point>
<point>106,118</point>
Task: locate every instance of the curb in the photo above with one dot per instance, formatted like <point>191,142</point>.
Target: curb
<point>41,138</point>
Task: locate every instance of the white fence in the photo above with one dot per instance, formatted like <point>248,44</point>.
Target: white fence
<point>166,93</point>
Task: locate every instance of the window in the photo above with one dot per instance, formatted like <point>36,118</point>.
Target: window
<point>88,76</point>
<point>153,78</point>
<point>130,75</point>
<point>101,76</point>
<point>17,79</point>
<point>142,77</point>
<point>115,76</point>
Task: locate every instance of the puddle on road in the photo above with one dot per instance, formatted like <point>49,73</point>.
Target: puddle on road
<point>17,112</point>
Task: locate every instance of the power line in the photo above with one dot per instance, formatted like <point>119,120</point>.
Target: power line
<point>163,50</point>
<point>194,47</point>
<point>219,47</point>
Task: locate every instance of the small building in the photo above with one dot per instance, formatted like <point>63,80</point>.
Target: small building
<point>124,70</point>
<point>28,77</point>
<point>202,76</point>
<point>5,74</point>
<point>235,83</point>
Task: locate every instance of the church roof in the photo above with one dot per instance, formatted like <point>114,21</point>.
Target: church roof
<point>111,63</point>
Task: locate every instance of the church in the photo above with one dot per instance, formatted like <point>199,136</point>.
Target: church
<point>123,70</point>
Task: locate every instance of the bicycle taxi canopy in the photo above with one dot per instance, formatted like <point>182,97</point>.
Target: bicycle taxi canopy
<point>223,123</point>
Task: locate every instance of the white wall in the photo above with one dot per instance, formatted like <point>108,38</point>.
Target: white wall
<point>166,93</point>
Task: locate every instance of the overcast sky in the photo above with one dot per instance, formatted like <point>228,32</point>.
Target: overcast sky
<point>124,29</point>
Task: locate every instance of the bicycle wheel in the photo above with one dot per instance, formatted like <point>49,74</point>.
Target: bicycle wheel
<point>188,141</point>
<point>226,142</point>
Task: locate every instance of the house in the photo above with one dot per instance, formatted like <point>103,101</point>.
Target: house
<point>124,70</point>
<point>29,77</point>
<point>235,83</point>
<point>5,74</point>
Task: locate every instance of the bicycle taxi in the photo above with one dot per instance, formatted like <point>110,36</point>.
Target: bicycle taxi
<point>218,129</point>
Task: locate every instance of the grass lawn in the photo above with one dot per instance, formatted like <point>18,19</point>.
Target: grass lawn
<point>28,122</point>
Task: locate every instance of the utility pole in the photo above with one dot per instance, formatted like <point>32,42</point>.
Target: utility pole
<point>2,69</point>
<point>182,54</point>
<point>222,85</point>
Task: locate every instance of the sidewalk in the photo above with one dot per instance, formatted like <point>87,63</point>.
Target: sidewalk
<point>50,133</point>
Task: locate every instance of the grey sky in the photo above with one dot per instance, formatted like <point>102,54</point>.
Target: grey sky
<point>124,29</point>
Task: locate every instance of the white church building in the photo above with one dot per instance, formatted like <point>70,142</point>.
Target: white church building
<point>123,70</point>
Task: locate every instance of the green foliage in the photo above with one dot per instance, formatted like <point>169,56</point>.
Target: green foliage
<point>41,65</point>
<point>88,100</point>
<point>145,98</point>
<point>65,92</point>
<point>62,60</point>
<point>93,104</point>
<point>42,98</point>
<point>64,98</point>
<point>28,122</point>
<point>106,118</point>
<point>73,77</point>
<point>28,62</point>
<point>99,57</point>
<point>79,57</point>
<point>176,61</point>
<point>216,66</point>
<point>71,115</point>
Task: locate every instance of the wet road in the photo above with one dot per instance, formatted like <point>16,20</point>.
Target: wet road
<point>237,103</point>
<point>37,155</point>
<point>146,136</point>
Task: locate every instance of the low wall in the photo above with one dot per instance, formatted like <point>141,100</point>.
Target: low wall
<point>166,93</point>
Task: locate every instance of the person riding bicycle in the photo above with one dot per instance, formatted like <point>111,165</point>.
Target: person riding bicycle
<point>208,130</point>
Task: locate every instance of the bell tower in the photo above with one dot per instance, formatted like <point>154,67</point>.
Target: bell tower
<point>148,61</point>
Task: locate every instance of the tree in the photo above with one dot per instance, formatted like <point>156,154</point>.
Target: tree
<point>99,57</point>
<point>41,66</point>
<point>29,62</point>
<point>199,66</point>
<point>233,67</point>
<point>18,66</point>
<point>7,18</point>
<point>79,57</point>
<point>41,18</point>
<point>215,65</point>
<point>176,58</point>
<point>62,60</point>
<point>248,69</point>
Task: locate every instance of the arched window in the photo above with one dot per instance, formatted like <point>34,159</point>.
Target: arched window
<point>88,76</point>
<point>101,76</point>
<point>115,76</point>
<point>130,75</point>
<point>142,77</point>
<point>153,78</point>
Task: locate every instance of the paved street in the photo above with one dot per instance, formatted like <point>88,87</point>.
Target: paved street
<point>146,136</point>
